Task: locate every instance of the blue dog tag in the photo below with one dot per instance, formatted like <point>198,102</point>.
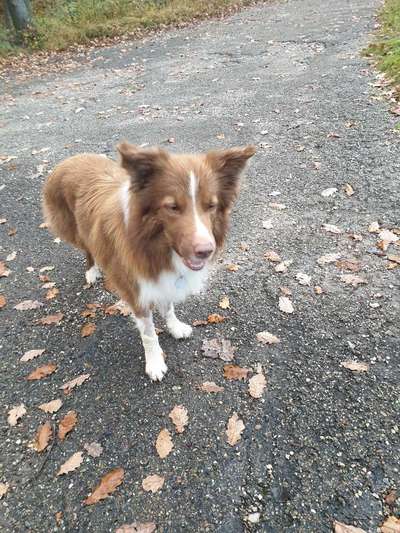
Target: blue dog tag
<point>180,282</point>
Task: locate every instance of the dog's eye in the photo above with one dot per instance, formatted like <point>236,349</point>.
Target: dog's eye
<point>211,206</point>
<point>171,207</point>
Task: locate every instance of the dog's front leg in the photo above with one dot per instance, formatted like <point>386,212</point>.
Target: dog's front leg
<point>155,363</point>
<point>178,329</point>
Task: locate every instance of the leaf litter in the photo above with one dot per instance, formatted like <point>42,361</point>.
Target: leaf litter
<point>355,366</point>
<point>67,424</point>
<point>234,429</point>
<point>108,484</point>
<point>43,436</point>
<point>179,416</point>
<point>94,449</point>
<point>257,385</point>
<point>88,329</point>
<point>153,483</point>
<point>71,464</point>
<point>164,443</point>
<point>137,527</point>
<point>210,386</point>
<point>51,319</point>
<point>286,305</point>
<point>339,527</point>
<point>267,338</point>
<point>218,348</point>
<point>76,382</point>
<point>4,487</point>
<point>42,372</point>
<point>31,354</point>
<point>224,303</point>
<point>235,372</point>
<point>15,414</point>
<point>27,305</point>
<point>51,407</point>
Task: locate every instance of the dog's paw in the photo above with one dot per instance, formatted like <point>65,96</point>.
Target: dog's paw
<point>156,367</point>
<point>92,275</point>
<point>179,330</point>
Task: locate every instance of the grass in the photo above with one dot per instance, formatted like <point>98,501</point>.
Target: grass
<point>59,24</point>
<point>386,49</point>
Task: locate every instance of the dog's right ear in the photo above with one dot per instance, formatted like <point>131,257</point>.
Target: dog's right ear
<point>142,164</point>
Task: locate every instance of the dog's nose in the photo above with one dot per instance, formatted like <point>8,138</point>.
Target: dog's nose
<point>204,250</point>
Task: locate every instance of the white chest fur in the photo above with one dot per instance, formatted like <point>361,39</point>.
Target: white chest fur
<point>172,286</point>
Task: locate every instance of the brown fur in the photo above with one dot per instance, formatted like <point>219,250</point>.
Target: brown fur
<point>82,204</point>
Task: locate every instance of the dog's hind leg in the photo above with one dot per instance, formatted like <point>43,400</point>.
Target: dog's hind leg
<point>93,272</point>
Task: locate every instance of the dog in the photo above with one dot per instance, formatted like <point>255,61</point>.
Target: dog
<point>152,222</point>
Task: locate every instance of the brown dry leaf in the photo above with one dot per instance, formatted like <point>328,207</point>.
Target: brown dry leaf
<point>267,338</point>
<point>137,527</point>
<point>197,323</point>
<point>374,227</point>
<point>108,483</point>
<point>331,228</point>
<point>153,483</point>
<point>88,329</point>
<point>285,291</point>
<point>234,429</point>
<point>352,279</point>
<point>3,489</point>
<point>349,264</point>
<point>119,308</point>
<point>215,318</point>
<point>285,305</point>
<point>218,348</point>
<point>391,525</point>
<point>318,290</point>
<point>391,497</point>
<point>31,354</point>
<point>235,372</point>
<point>355,366</point>
<point>76,382</point>
<point>283,266</point>
<point>27,305</point>
<point>393,258</point>
<point>257,385</point>
<point>44,278</point>
<point>164,443</point>
<point>58,517</point>
<point>232,267</point>
<point>51,407</point>
<point>224,303</point>
<point>94,449</point>
<point>43,437</point>
<point>303,279</point>
<point>15,414</point>
<point>42,372</point>
<point>179,416</point>
<point>3,301</point>
<point>277,205</point>
<point>11,232</point>
<point>328,258</point>
<point>51,319</point>
<point>348,189</point>
<point>52,293</point>
<point>4,272</point>
<point>67,424</point>
<point>388,236</point>
<point>210,386</point>
<point>47,268</point>
<point>272,256</point>
<point>71,464</point>
<point>11,256</point>
<point>339,527</point>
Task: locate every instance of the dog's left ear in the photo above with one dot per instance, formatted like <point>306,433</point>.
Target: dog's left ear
<point>142,164</point>
<point>229,164</point>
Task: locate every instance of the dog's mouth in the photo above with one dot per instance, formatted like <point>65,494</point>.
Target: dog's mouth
<point>195,264</point>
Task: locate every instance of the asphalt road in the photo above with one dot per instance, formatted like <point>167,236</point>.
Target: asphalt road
<point>323,442</point>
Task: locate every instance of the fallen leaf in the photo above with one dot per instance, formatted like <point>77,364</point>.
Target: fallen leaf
<point>108,483</point>
<point>317,165</point>
<point>285,291</point>
<point>318,289</point>
<point>267,224</point>
<point>51,319</point>
<point>3,220</point>
<point>94,449</point>
<point>51,407</point>
<point>283,266</point>
<point>215,318</point>
<point>257,385</point>
<point>234,429</point>
<point>272,256</point>
<point>330,228</point>
<point>179,416</point>
<point>303,279</point>
<point>339,527</point>
<point>67,424</point>
<point>76,382</point>
<point>31,354</point>
<point>164,443</point>
<point>11,232</point>
<point>393,258</point>
<point>42,277</point>
<point>58,517</point>
<point>388,236</point>
<point>43,437</point>
<point>48,285</point>
<point>235,372</point>
<point>348,189</point>
<point>391,497</point>
<point>328,258</point>
<point>42,372</point>
<point>218,348</point>
<point>267,338</point>
<point>71,464</point>
<point>224,303</point>
<point>352,279</point>
<point>137,527</point>
<point>329,192</point>
<point>26,305</point>
<point>374,227</point>
<point>88,329</point>
<point>15,414</point>
<point>153,483</point>
<point>355,366</point>
<point>232,267</point>
<point>3,489</point>
<point>391,525</point>
<point>4,272</point>
<point>285,305</point>
<point>47,268</point>
<point>51,293</point>
<point>11,257</point>
<point>277,205</point>
<point>120,308</point>
<point>210,386</point>
<point>197,323</point>
<point>3,301</point>
<point>349,264</point>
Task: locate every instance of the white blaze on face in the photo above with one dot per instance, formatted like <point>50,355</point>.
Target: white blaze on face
<point>201,230</point>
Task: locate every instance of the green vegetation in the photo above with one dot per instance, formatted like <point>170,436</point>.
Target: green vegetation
<point>386,49</point>
<point>58,24</point>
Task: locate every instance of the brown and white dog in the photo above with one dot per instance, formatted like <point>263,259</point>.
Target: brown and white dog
<point>151,222</point>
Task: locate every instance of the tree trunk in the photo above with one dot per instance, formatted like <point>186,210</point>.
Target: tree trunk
<point>20,13</point>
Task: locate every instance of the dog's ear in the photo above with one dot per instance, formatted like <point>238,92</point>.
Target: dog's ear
<point>142,164</point>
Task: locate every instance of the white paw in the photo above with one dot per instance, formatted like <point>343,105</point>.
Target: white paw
<point>179,330</point>
<point>92,275</point>
<point>156,367</point>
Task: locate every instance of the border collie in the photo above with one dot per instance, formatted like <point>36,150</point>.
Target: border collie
<point>152,223</point>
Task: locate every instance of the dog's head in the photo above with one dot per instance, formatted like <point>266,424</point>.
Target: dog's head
<point>184,199</point>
